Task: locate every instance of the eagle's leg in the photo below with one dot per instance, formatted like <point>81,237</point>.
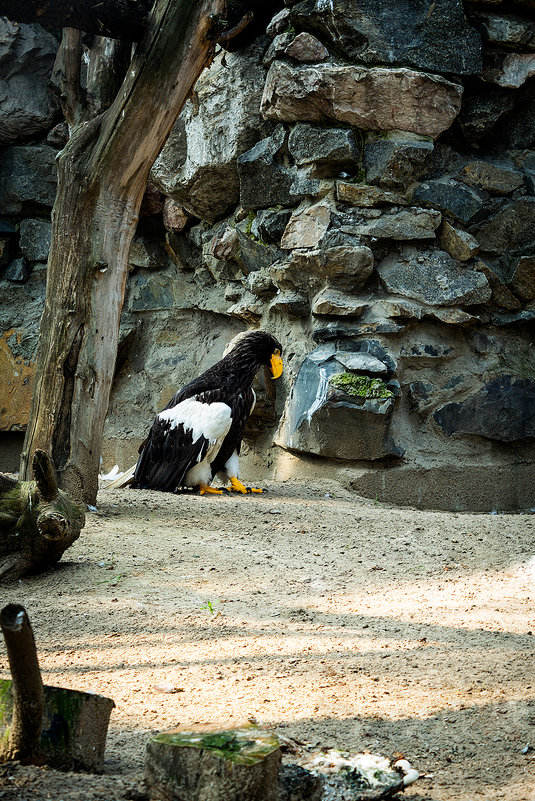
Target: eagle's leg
<point>237,486</point>
<point>206,489</point>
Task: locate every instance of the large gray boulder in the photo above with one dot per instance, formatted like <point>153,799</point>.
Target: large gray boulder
<point>197,166</point>
<point>27,178</point>
<point>35,239</point>
<point>502,410</point>
<point>432,37</point>
<point>325,421</point>
<point>27,108</point>
<point>374,99</point>
<point>511,229</point>
<point>433,277</point>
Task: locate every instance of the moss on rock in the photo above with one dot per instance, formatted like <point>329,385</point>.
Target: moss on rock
<point>360,386</point>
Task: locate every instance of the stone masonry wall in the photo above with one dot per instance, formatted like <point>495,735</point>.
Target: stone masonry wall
<point>360,181</point>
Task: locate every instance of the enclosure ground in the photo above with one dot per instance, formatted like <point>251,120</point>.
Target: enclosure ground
<point>338,622</point>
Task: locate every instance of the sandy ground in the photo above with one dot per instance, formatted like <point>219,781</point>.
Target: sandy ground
<point>340,622</point>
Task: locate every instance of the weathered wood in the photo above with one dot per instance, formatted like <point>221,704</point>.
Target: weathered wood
<point>102,175</point>
<point>38,521</point>
<point>46,725</point>
<point>200,762</point>
<point>24,741</point>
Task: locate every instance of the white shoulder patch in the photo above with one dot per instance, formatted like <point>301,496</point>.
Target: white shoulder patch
<point>210,420</point>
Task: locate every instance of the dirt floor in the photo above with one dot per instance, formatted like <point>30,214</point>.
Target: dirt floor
<point>339,622</point>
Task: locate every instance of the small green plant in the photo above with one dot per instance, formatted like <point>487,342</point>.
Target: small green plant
<point>113,581</point>
<point>360,386</point>
<point>211,607</point>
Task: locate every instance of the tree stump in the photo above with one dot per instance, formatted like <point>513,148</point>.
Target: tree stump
<point>65,729</point>
<point>38,521</point>
<point>212,763</point>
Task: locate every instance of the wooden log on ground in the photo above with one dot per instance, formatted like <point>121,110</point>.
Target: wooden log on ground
<point>38,521</point>
<point>203,762</point>
<point>63,728</point>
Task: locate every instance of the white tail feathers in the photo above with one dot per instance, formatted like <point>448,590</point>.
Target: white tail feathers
<point>122,480</point>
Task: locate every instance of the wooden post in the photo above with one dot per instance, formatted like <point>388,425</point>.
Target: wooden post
<point>25,732</point>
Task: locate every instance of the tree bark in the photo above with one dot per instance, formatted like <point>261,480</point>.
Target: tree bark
<point>102,175</point>
<point>28,697</point>
<point>38,522</point>
<point>118,19</point>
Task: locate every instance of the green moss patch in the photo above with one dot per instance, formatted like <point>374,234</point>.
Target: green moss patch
<point>360,386</point>
<point>245,745</point>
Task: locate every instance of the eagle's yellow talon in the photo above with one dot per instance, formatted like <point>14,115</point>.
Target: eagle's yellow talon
<point>206,489</point>
<point>237,486</point>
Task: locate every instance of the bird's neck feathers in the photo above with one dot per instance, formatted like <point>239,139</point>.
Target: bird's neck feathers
<point>241,367</point>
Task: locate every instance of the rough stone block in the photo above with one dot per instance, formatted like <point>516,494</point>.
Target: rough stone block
<point>321,420</point>
<point>27,178</point>
<point>18,271</point>
<point>197,166</point>
<point>511,229</point>
<point>501,296</point>
<point>339,304</point>
<point>440,39</point>
<point>333,147</point>
<point>35,238</point>
<point>502,410</point>
<point>27,108</point>
<point>307,226</point>
<point>493,178</point>
<point>433,277</point>
<point>523,279</point>
<point>509,70</point>
<point>413,223</point>
<point>366,196</point>
<point>395,161</point>
<point>295,304</point>
<point>16,382</point>
<point>451,197</point>
<point>458,243</point>
<point>306,48</point>
<point>371,99</point>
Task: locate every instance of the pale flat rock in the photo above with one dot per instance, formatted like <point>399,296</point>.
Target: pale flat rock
<point>339,304</point>
<point>307,225</point>
<point>413,223</point>
<point>377,98</point>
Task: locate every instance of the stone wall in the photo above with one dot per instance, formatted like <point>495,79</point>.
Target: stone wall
<point>362,184</point>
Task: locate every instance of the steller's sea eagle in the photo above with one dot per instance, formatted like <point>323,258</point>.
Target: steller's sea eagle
<point>198,435</point>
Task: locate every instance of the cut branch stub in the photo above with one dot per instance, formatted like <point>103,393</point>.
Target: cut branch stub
<point>199,762</point>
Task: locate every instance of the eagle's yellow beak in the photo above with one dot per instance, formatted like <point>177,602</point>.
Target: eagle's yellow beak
<point>276,364</point>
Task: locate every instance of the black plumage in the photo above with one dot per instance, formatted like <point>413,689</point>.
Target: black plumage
<point>198,435</point>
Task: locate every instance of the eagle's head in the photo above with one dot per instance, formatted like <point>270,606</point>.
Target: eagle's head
<point>260,346</point>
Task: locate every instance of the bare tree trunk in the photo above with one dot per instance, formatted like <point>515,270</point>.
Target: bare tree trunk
<point>102,174</point>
